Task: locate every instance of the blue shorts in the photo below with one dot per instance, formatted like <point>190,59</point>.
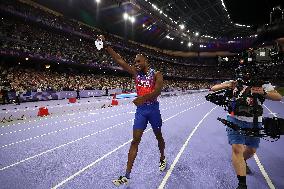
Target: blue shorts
<point>148,113</point>
<point>235,137</point>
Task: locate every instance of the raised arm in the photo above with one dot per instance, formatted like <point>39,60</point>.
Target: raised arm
<point>273,95</point>
<point>118,59</point>
<point>226,85</point>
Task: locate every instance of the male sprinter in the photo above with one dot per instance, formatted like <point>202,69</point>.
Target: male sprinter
<point>149,84</point>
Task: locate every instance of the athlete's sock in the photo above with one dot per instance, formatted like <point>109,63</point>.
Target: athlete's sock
<point>242,180</point>
<point>127,174</point>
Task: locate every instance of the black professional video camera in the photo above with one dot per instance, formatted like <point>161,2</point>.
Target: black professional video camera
<point>253,71</point>
<point>257,66</point>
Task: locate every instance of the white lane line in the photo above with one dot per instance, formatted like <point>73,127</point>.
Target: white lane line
<point>53,117</point>
<point>92,164</point>
<point>260,166</point>
<point>60,130</point>
<point>50,150</point>
<point>43,125</point>
<point>79,112</point>
<point>31,108</point>
<point>273,113</point>
<point>75,126</point>
<point>264,173</point>
<point>169,172</point>
<point>68,114</point>
<point>71,142</point>
<point>109,153</point>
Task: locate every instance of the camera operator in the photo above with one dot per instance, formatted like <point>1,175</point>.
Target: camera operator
<point>244,147</point>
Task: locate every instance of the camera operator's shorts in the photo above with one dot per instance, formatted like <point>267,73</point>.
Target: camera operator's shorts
<point>148,113</point>
<point>235,137</point>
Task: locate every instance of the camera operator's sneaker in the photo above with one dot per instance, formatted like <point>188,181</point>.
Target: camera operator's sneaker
<point>242,186</point>
<point>163,165</point>
<point>121,180</point>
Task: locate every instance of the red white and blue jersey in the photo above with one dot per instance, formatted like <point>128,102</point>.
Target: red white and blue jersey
<point>145,83</point>
<point>149,111</point>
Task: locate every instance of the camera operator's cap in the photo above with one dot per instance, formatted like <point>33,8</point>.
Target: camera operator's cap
<point>99,44</point>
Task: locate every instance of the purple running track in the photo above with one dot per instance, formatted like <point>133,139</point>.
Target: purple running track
<point>88,149</point>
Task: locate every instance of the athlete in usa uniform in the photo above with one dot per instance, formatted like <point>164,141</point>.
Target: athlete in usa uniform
<point>149,111</point>
<point>149,84</point>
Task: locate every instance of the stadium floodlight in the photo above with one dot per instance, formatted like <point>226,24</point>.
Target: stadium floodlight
<point>168,37</point>
<point>125,16</point>
<point>132,19</point>
<point>154,6</point>
<point>181,26</point>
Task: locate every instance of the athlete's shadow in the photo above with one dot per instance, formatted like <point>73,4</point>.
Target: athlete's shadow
<point>129,187</point>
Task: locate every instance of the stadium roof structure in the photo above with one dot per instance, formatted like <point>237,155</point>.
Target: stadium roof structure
<point>198,25</point>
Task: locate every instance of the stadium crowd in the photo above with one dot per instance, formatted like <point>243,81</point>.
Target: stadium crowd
<point>34,80</point>
<point>39,34</point>
<point>32,41</point>
<point>34,12</point>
